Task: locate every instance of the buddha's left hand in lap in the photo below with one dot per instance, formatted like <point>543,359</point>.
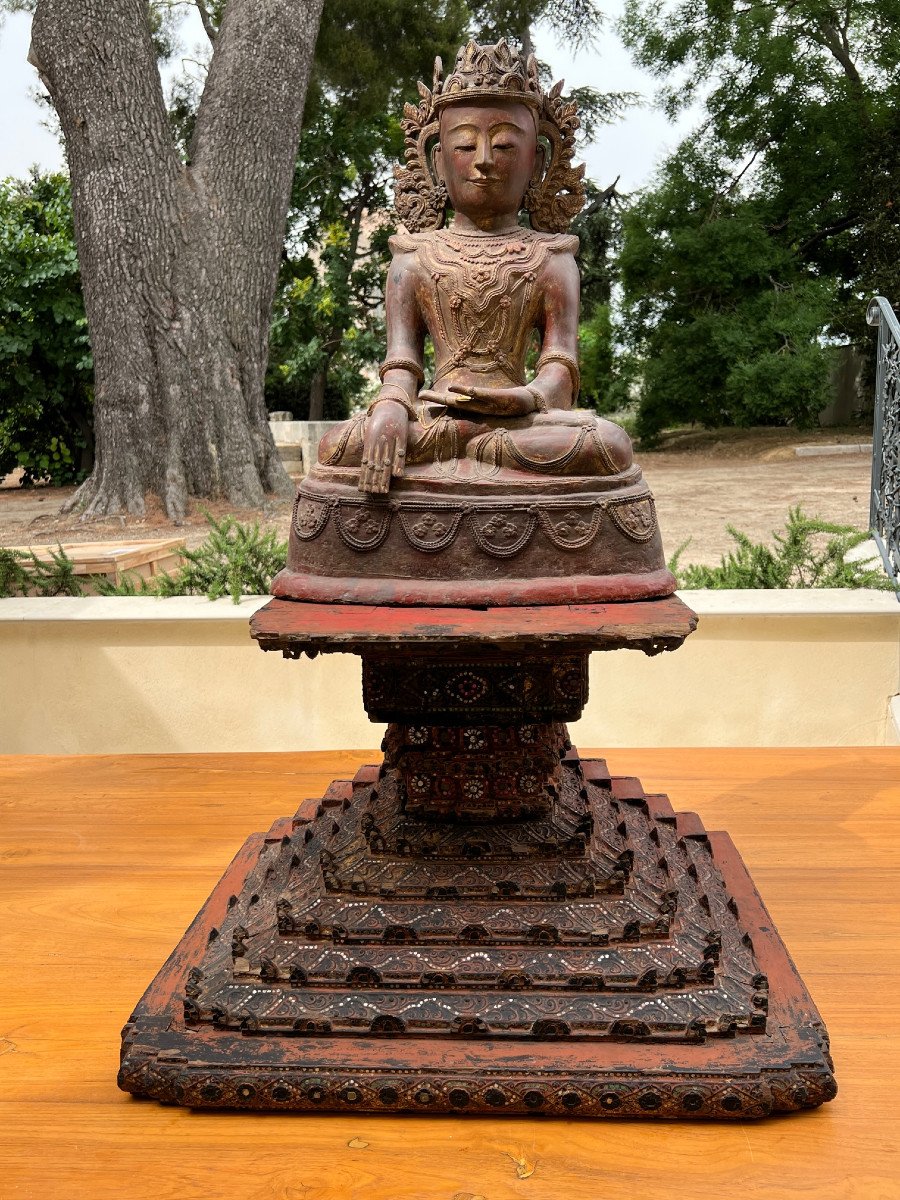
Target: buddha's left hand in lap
<point>489,401</point>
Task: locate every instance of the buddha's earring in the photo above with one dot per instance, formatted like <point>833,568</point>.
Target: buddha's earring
<point>534,194</point>
<point>532,197</point>
<point>441,195</point>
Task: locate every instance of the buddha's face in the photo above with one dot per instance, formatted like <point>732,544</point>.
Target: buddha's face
<point>486,157</point>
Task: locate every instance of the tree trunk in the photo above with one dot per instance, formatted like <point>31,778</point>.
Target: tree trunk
<point>178,262</point>
<point>317,394</point>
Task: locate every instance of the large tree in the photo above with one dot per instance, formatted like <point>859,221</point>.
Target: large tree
<point>775,220</point>
<point>179,259</point>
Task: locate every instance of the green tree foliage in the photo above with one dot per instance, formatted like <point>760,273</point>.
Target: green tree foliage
<point>808,93</point>
<point>605,370</point>
<point>573,21</point>
<point>328,325</point>
<point>773,221</point>
<point>45,361</point>
<point>725,319</point>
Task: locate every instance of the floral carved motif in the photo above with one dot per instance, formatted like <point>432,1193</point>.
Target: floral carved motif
<point>505,533</point>
<point>363,526</point>
<point>310,516</point>
<point>635,517</point>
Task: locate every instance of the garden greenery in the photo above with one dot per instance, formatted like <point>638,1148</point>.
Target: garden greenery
<point>46,370</point>
<point>236,559</point>
<point>809,553</point>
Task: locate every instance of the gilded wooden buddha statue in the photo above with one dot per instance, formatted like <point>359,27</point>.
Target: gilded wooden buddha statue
<point>485,487</point>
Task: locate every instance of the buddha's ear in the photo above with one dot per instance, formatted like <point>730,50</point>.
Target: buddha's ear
<point>541,156</point>
<point>541,163</point>
<point>440,196</point>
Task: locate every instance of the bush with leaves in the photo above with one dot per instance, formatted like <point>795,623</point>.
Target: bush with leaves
<point>235,560</point>
<point>725,321</point>
<point>23,573</point>
<point>46,373</point>
<point>809,554</point>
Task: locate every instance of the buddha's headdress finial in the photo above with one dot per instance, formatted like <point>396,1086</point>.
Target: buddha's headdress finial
<point>493,72</point>
<point>489,72</point>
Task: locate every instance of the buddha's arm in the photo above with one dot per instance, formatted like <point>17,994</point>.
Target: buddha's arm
<point>387,424</point>
<point>402,371</point>
<point>556,379</point>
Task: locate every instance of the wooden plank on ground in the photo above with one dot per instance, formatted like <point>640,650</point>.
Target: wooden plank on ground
<point>109,557</point>
<point>144,558</point>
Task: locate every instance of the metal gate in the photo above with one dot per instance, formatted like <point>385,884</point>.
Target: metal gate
<point>884,508</point>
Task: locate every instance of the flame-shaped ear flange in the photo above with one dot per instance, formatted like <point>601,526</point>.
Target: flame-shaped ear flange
<point>559,196</point>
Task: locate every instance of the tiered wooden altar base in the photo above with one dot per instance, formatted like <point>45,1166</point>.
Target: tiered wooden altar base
<point>484,922</point>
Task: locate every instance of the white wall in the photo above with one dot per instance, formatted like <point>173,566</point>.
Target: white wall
<point>135,675</point>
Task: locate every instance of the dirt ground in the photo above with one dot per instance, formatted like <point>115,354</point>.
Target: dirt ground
<point>702,482</point>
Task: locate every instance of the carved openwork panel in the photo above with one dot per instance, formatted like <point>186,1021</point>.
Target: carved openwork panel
<point>476,772</point>
<point>466,688</point>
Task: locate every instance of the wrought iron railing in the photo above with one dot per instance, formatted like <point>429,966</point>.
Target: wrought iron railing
<point>884,508</point>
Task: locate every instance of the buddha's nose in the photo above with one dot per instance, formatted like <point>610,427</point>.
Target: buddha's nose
<point>484,157</point>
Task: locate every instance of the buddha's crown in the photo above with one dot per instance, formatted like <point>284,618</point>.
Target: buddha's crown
<point>498,72</point>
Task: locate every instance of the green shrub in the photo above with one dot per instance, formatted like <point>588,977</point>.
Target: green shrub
<point>809,554</point>
<point>235,560</point>
<point>13,575</point>
<point>22,573</point>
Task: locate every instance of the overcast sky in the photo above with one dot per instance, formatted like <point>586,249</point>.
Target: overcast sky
<point>631,148</point>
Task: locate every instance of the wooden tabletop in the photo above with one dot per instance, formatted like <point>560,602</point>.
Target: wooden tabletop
<point>107,859</point>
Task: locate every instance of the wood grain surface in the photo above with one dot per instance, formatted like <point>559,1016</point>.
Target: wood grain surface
<point>105,860</point>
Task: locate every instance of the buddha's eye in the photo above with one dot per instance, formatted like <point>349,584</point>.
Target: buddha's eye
<point>504,146</point>
<point>467,147</point>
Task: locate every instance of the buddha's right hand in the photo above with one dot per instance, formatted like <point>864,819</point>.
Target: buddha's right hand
<point>384,446</point>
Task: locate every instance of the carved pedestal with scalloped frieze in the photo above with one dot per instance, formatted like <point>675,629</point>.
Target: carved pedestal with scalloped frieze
<point>485,921</point>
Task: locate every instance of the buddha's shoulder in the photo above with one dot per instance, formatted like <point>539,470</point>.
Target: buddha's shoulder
<point>557,243</point>
<point>550,243</point>
<point>407,243</point>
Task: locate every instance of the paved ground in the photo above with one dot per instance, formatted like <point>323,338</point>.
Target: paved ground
<point>702,482</point>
